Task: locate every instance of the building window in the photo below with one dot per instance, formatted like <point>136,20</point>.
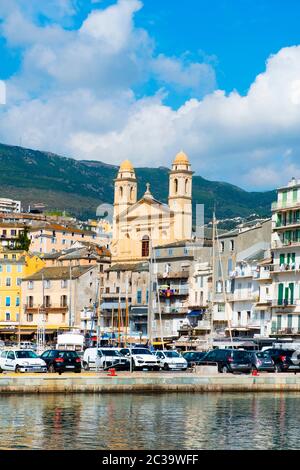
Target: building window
<point>17,301</point>
<point>53,240</point>
<point>145,246</point>
<point>8,282</point>
<point>7,301</point>
<point>13,233</point>
<point>14,256</point>
<point>47,284</point>
<point>8,268</point>
<point>47,302</point>
<point>139,296</point>
<point>30,301</point>
<point>1,269</point>
<point>19,281</point>
<point>231,245</point>
<point>63,241</point>
<point>19,268</point>
<point>176,185</point>
<point>64,284</point>
<point>7,316</point>
<point>29,317</point>
<point>63,301</point>
<point>170,252</point>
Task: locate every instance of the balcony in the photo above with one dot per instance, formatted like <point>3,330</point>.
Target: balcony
<point>285,331</point>
<point>50,308</point>
<point>203,325</point>
<point>278,244</point>
<point>173,309</point>
<point>285,304</point>
<point>244,273</point>
<point>246,296</point>
<point>276,206</point>
<point>174,291</point>
<point>284,268</point>
<point>287,224</point>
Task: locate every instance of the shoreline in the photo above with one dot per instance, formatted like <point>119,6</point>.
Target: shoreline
<point>11,383</point>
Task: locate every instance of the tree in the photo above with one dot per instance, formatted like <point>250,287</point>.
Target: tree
<point>23,241</point>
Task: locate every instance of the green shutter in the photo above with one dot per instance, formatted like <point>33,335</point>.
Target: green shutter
<point>290,321</point>
<point>289,258</point>
<point>282,259</point>
<point>284,198</point>
<point>293,258</point>
<point>278,322</point>
<point>295,194</point>
<point>291,289</point>
<point>280,294</point>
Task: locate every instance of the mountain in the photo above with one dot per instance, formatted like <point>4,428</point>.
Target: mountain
<point>80,186</point>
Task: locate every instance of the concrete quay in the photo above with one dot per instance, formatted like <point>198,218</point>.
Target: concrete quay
<point>140,382</point>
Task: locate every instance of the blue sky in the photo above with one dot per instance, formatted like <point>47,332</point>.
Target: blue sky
<point>135,79</point>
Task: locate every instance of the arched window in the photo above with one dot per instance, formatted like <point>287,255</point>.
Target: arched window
<point>186,186</point>
<point>131,193</point>
<point>145,246</point>
<point>176,185</point>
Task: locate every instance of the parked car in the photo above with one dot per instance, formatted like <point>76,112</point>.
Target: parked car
<point>261,361</point>
<point>27,345</point>
<point>2,344</point>
<point>103,358</point>
<point>21,360</point>
<point>62,361</point>
<point>229,360</point>
<point>193,357</point>
<point>171,360</point>
<point>284,359</point>
<point>141,358</point>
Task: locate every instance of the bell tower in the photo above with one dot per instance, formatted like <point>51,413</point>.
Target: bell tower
<point>180,196</point>
<point>125,192</point>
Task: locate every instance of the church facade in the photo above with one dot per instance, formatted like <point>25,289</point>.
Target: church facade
<point>140,225</point>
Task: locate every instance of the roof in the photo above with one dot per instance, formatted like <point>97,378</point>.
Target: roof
<point>178,244</point>
<point>181,157</point>
<point>59,272</point>
<point>137,267</point>
<point>257,256</point>
<point>126,165</point>
<point>61,228</point>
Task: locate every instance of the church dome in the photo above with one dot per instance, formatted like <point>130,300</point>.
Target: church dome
<point>181,158</point>
<point>126,166</point>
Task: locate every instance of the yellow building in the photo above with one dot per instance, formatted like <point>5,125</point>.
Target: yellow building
<point>14,266</point>
<point>140,224</point>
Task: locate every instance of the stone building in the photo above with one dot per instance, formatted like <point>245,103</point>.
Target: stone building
<point>141,224</point>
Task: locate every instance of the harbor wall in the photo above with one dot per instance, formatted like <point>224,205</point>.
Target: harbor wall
<point>151,384</point>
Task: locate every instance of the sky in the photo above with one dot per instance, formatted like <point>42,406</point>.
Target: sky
<point>144,79</point>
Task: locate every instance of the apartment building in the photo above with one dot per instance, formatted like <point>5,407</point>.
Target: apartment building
<point>285,267</point>
<point>14,266</point>
<point>125,283</point>
<point>236,289</point>
<point>52,237</point>
<point>9,205</point>
<point>60,293</point>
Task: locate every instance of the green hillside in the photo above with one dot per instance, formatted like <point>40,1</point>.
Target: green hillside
<point>80,186</point>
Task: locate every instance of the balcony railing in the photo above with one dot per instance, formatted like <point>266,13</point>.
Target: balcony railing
<point>46,308</point>
<point>280,244</point>
<point>174,310</point>
<point>285,331</point>
<point>282,268</point>
<point>284,205</point>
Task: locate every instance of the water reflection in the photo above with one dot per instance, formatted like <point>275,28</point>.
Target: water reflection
<point>170,421</point>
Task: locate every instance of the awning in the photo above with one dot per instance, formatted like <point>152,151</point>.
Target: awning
<point>195,313</point>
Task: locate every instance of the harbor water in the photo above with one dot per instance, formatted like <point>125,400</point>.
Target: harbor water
<point>151,422</point>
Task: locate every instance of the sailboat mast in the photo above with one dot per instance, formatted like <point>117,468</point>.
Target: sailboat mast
<point>119,323</point>
<point>150,301</point>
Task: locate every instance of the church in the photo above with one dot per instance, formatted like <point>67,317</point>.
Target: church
<point>140,225</point>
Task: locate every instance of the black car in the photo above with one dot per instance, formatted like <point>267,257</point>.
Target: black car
<point>193,357</point>
<point>229,360</point>
<point>284,359</point>
<point>262,361</point>
<point>62,361</point>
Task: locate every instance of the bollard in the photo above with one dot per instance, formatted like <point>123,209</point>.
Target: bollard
<point>112,372</point>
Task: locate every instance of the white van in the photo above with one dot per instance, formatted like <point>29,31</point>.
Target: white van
<point>103,358</point>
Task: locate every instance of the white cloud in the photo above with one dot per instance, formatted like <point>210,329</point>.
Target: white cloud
<point>2,92</point>
<point>74,95</point>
